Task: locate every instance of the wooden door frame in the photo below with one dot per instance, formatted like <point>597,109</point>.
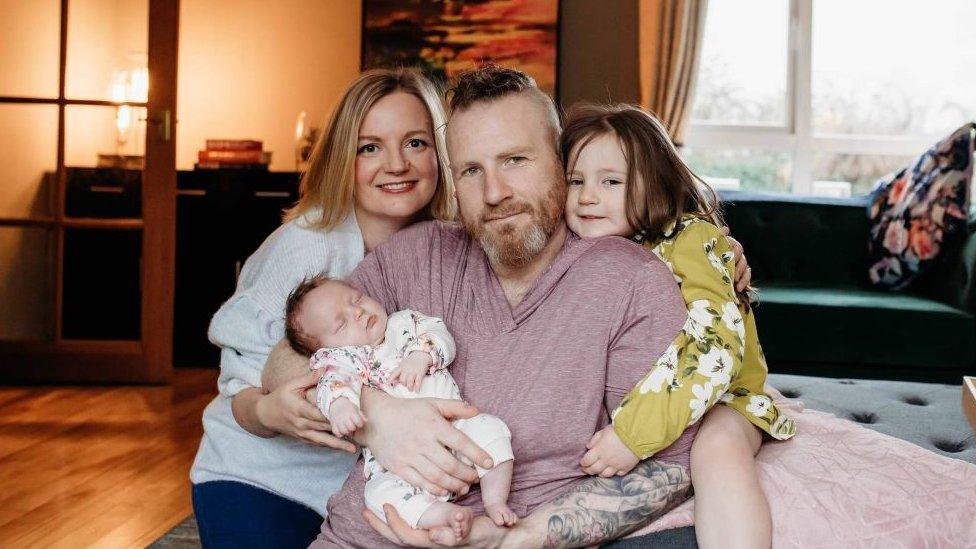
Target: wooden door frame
<point>148,360</point>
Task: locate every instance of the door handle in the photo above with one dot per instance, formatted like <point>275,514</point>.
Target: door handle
<point>163,124</point>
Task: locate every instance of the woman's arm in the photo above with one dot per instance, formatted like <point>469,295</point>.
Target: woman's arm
<point>284,410</point>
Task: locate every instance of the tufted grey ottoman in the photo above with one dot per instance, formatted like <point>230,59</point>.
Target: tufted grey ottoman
<point>927,414</point>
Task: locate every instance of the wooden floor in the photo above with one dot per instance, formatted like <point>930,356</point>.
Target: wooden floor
<point>98,466</point>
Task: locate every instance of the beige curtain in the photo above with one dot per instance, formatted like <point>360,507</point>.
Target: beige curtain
<point>670,47</point>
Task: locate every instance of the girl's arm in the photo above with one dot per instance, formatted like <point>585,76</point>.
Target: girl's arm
<point>430,335</point>
<point>706,355</point>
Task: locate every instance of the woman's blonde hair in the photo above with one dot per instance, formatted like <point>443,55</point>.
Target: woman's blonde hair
<point>329,181</point>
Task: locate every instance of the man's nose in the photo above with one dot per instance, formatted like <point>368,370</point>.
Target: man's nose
<point>496,189</point>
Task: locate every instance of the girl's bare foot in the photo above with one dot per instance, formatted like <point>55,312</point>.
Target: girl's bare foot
<point>501,514</point>
<point>442,513</point>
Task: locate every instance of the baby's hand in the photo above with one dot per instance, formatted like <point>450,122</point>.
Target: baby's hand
<point>607,455</point>
<point>345,417</point>
<point>411,370</point>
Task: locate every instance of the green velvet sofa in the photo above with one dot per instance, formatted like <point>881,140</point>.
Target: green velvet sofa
<point>817,313</point>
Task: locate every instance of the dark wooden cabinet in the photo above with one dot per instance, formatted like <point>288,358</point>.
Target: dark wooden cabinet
<point>222,216</point>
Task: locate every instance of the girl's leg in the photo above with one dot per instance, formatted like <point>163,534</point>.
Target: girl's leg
<point>730,508</point>
<point>234,514</point>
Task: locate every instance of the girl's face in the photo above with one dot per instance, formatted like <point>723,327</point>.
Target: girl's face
<point>595,204</point>
<point>396,160</point>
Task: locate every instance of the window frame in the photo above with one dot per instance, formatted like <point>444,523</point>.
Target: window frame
<point>797,136</point>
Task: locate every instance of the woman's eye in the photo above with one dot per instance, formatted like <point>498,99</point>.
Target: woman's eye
<point>612,182</point>
<point>573,182</point>
<point>416,143</point>
<point>368,148</point>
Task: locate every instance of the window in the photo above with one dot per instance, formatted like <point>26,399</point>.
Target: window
<point>826,96</point>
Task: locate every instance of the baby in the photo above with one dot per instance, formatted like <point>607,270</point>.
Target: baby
<point>350,338</point>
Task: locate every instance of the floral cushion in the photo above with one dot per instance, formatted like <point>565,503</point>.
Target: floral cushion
<point>919,211</point>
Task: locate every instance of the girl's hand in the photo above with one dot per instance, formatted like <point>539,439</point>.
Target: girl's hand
<point>607,455</point>
<point>411,371</point>
<point>413,438</point>
<point>286,411</point>
<point>743,272</point>
<point>346,417</point>
<point>485,534</point>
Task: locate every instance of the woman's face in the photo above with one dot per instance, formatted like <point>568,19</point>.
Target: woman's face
<point>396,160</point>
<point>597,197</point>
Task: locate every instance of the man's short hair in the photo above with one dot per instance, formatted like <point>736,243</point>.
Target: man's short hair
<point>492,82</point>
<point>299,340</point>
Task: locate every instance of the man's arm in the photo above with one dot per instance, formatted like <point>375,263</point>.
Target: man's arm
<point>595,511</point>
<point>604,509</point>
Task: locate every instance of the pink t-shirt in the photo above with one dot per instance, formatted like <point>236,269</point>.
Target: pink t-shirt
<point>552,368</point>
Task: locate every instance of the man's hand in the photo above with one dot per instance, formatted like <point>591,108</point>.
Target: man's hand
<point>743,272</point>
<point>286,411</point>
<point>485,534</point>
<point>608,455</point>
<point>411,371</point>
<point>414,439</point>
<point>346,417</point>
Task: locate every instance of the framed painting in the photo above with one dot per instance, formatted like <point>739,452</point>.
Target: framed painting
<point>445,37</point>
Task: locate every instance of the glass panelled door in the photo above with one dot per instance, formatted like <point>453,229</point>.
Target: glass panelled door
<point>87,200</point>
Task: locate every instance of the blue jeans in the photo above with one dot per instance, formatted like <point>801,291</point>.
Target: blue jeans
<point>238,515</point>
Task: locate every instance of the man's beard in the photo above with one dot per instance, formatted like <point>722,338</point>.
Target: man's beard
<point>509,247</point>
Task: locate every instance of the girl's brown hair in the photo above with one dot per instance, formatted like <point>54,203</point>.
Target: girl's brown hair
<point>660,186</point>
<point>330,179</point>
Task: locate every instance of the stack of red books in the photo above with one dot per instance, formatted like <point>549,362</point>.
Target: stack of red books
<point>233,154</point>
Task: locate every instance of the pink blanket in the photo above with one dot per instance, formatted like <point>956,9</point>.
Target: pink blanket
<point>837,484</point>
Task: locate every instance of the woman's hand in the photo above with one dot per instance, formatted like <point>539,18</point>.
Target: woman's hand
<point>485,534</point>
<point>743,272</point>
<point>413,439</point>
<point>286,411</point>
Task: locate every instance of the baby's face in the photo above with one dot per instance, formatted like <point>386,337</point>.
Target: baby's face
<point>597,197</point>
<point>335,315</point>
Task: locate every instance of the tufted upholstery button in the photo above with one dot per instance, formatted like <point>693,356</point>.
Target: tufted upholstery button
<point>790,393</point>
<point>915,401</point>
<point>950,446</point>
<point>864,417</point>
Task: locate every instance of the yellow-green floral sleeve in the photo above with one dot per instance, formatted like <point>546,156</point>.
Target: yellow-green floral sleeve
<point>698,366</point>
<point>747,393</point>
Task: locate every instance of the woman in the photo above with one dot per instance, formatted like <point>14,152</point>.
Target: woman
<point>379,167</point>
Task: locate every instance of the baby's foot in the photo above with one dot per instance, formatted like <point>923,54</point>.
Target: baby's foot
<point>442,513</point>
<point>501,514</point>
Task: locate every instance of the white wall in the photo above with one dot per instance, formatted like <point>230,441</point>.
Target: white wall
<point>248,67</point>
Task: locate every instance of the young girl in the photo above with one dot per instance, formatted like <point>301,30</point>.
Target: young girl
<point>625,178</point>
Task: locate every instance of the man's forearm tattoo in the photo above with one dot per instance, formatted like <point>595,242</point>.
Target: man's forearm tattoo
<point>602,509</point>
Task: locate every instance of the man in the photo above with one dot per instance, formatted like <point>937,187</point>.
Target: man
<point>552,331</point>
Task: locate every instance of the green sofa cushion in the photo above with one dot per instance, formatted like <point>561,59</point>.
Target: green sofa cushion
<point>853,325</point>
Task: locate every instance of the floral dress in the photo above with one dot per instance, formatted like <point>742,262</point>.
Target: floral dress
<point>715,357</point>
